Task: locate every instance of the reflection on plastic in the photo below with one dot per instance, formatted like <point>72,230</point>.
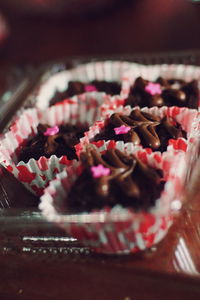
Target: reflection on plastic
<point>183,260</point>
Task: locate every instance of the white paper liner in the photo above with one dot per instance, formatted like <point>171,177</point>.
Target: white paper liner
<point>118,230</point>
<point>152,72</point>
<point>101,70</point>
<point>187,118</point>
<point>35,175</point>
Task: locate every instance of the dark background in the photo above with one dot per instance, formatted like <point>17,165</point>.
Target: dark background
<point>43,32</point>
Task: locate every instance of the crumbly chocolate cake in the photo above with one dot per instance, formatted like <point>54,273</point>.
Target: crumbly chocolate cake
<point>77,87</point>
<point>114,178</point>
<point>141,128</point>
<point>163,92</point>
<point>59,142</point>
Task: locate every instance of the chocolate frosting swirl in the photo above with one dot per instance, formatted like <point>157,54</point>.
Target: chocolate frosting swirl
<point>123,169</point>
<point>146,129</point>
<point>142,127</point>
<point>61,143</point>
<point>52,142</point>
<point>78,87</point>
<point>174,92</point>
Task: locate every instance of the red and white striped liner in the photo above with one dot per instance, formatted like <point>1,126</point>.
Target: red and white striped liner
<point>118,230</point>
<point>35,175</point>
<point>111,105</point>
<point>184,116</point>
<point>152,72</point>
<point>100,70</point>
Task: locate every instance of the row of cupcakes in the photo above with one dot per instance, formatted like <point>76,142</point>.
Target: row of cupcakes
<point>115,200</point>
<point>119,78</point>
<point>40,144</point>
<point>146,226</point>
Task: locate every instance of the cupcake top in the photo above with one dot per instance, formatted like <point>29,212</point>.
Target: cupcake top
<point>58,140</point>
<point>163,92</point>
<point>141,128</point>
<point>77,87</point>
<point>114,178</point>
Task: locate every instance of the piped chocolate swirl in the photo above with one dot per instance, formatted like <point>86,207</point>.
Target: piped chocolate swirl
<point>127,182</point>
<point>78,87</point>
<point>163,92</point>
<point>60,143</point>
<point>142,129</point>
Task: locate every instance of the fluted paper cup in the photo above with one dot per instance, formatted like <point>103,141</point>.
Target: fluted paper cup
<point>36,174</point>
<point>118,230</point>
<point>187,118</point>
<point>101,70</point>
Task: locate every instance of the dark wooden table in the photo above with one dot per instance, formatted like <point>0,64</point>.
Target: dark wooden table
<point>38,261</point>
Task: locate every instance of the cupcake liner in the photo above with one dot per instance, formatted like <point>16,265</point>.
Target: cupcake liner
<point>152,72</point>
<point>35,175</point>
<point>102,70</point>
<point>117,230</point>
<point>111,105</point>
<point>85,108</point>
<point>187,118</point>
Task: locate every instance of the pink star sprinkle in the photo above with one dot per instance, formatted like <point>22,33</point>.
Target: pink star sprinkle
<point>51,131</point>
<point>153,88</point>
<point>122,129</point>
<point>99,170</point>
<point>90,88</point>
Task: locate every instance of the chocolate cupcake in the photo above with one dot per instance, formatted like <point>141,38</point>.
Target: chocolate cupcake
<point>77,87</point>
<point>93,77</point>
<point>57,140</point>
<point>141,128</point>
<point>114,178</point>
<point>37,151</point>
<point>163,92</point>
<point>113,201</point>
